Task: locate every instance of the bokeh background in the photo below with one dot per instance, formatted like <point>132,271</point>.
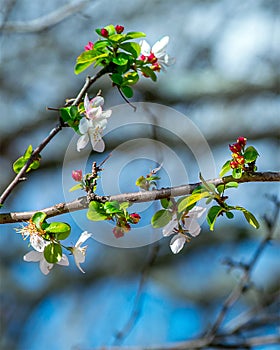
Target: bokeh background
<point>225,79</point>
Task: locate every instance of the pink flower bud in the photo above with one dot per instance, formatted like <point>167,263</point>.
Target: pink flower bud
<point>104,32</point>
<point>119,29</point>
<point>134,217</point>
<point>89,46</point>
<point>152,58</point>
<point>118,232</point>
<point>77,175</point>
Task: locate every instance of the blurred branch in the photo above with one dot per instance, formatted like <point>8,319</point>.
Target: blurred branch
<point>35,154</point>
<point>44,22</point>
<point>136,197</point>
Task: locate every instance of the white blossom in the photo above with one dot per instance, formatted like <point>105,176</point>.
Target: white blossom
<point>158,50</point>
<point>79,252</point>
<point>189,225</point>
<point>92,125</point>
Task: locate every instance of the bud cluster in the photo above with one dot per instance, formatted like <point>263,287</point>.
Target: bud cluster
<point>237,150</point>
<point>123,224</point>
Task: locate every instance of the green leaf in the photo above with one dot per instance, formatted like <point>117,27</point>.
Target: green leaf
<point>131,78</point>
<point>100,44</point>
<point>149,73</point>
<point>232,184</point>
<point>76,187</point>
<point>124,205</point>
<point>190,200</point>
<point>132,48</point>
<point>250,154</point>
<point>53,253</point>
<point>229,215</point>
<point>134,35</point>
<point>117,38</point>
<point>212,215</point>
<point>249,217</point>
<point>237,173</point>
<point>121,59</point>
<point>140,181</point>
<point>161,218</point>
<point>19,164</point>
<point>96,211</point>
<point>166,203</point>
<point>225,168</point>
<point>112,207</point>
<point>38,219</point>
<point>116,78</point>
<point>60,229</point>
<point>127,91</point>
<point>86,59</point>
<point>21,161</point>
<point>111,29</point>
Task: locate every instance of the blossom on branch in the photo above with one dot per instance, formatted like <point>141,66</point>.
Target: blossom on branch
<point>156,55</point>
<point>93,124</point>
<point>45,266</point>
<point>79,252</point>
<point>188,226</point>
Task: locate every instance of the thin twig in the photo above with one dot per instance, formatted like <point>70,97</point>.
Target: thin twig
<point>135,197</point>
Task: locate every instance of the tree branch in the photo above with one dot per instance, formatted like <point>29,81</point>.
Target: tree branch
<point>44,22</point>
<point>136,197</point>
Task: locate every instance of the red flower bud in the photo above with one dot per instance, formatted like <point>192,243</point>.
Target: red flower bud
<point>104,32</point>
<point>89,46</point>
<point>234,164</point>
<point>242,141</point>
<point>134,217</point>
<point>240,160</point>
<point>152,58</point>
<point>235,148</point>
<point>119,29</point>
<point>156,67</point>
<point>77,175</point>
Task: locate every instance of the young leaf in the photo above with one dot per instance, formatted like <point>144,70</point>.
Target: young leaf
<point>127,91</point>
<point>225,168</point>
<point>212,215</point>
<point>190,200</point>
<point>250,154</point>
<point>60,229</point>
<point>76,187</point>
<point>166,203</point>
<point>237,173</point>
<point>161,218</point>
<point>249,217</point>
<point>121,59</point>
<point>116,78</point>
<point>38,219</point>
<point>148,72</point>
<point>132,48</point>
<point>96,211</point>
<point>53,253</point>
<point>134,35</point>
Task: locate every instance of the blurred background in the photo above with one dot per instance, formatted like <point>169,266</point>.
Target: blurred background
<point>225,80</point>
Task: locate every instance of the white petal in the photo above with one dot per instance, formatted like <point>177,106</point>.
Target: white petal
<point>84,125</point>
<point>98,146</point>
<point>194,228</point>
<point>79,257</point>
<point>145,48</point>
<point>196,212</point>
<point>87,103</point>
<point>158,48</point>
<point>63,261</point>
<point>177,243</point>
<point>82,142</point>
<point>106,114</point>
<point>45,266</point>
<point>83,237</point>
<point>37,242</point>
<point>33,256</point>
<point>169,228</point>
<point>94,112</point>
<point>97,101</point>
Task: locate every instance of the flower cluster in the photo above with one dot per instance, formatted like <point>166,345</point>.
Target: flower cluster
<point>156,55</point>
<point>184,228</point>
<point>45,241</point>
<point>237,150</point>
<point>92,125</point>
<point>123,224</point>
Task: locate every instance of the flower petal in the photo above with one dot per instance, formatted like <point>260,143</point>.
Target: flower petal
<point>145,48</point>
<point>194,228</point>
<point>106,114</point>
<point>86,103</point>
<point>37,242</point>
<point>33,256</point>
<point>84,125</point>
<point>82,142</point>
<point>45,266</point>
<point>158,48</point>
<point>177,243</point>
<point>63,261</point>
<point>196,212</point>
<point>83,237</point>
<point>98,146</point>
<point>169,228</point>
<point>97,101</point>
